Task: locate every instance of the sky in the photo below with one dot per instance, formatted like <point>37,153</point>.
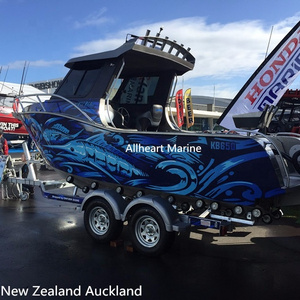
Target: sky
<point>229,38</point>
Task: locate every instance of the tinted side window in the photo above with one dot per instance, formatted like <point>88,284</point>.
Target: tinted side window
<point>78,83</point>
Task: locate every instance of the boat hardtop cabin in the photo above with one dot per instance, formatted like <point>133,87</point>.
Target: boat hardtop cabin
<point>134,82</point>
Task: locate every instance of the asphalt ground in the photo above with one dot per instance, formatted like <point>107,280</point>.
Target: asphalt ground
<point>46,253</point>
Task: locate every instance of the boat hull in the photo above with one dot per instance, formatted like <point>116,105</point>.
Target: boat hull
<point>14,131</point>
<point>229,168</point>
<point>9,124</point>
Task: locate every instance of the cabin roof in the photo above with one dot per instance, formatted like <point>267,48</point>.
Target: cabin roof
<point>148,54</point>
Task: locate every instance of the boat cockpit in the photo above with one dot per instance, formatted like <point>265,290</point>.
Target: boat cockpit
<point>138,103</point>
<point>130,86</point>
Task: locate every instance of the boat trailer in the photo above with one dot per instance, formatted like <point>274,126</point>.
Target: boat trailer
<point>105,209</point>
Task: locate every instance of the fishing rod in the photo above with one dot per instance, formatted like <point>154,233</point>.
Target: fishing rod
<point>24,74</point>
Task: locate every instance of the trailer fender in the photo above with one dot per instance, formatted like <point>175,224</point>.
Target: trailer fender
<point>171,218</point>
<point>114,199</point>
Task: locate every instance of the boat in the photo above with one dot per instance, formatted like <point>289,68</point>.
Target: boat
<point>286,116</point>
<point>109,126</point>
<point>14,130</point>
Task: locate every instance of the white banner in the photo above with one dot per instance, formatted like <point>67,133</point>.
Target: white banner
<point>269,82</point>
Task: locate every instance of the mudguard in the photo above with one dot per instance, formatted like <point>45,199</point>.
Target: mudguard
<point>115,200</point>
<point>171,218</point>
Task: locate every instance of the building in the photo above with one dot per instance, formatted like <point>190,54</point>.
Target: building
<point>48,86</point>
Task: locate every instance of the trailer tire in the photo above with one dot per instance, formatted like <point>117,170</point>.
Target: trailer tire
<point>148,232</point>
<point>24,196</point>
<point>296,161</point>
<point>100,222</point>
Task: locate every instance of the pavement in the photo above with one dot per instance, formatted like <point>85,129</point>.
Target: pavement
<point>46,253</point>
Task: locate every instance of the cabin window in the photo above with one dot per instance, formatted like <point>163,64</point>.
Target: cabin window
<point>286,115</point>
<point>78,83</point>
<point>137,90</point>
<point>6,102</point>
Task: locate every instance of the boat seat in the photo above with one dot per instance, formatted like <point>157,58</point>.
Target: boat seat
<point>110,116</point>
<point>118,118</point>
<point>150,120</point>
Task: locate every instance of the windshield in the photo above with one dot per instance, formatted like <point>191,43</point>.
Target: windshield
<point>134,90</point>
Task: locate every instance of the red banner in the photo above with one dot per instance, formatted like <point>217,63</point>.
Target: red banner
<point>179,107</point>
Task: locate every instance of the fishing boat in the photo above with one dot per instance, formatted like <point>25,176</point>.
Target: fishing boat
<point>14,130</point>
<point>109,125</point>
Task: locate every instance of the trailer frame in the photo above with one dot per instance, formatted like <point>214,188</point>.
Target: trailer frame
<point>152,219</point>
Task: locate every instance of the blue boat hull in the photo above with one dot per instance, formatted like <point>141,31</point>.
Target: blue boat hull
<point>229,168</point>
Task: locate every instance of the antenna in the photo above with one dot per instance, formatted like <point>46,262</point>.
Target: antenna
<point>24,74</point>
<point>214,96</point>
<point>4,78</point>
<point>269,42</point>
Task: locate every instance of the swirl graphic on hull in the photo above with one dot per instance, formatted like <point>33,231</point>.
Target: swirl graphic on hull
<point>223,169</point>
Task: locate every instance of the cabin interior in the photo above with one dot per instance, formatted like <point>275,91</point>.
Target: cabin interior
<point>130,87</point>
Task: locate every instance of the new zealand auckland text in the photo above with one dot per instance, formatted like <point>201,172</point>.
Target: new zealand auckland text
<point>56,291</point>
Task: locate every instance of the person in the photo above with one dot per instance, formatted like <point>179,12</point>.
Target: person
<point>3,144</point>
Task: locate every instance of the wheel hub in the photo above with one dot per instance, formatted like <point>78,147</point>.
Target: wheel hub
<point>150,230</point>
<point>102,219</point>
<point>147,231</point>
<point>99,221</point>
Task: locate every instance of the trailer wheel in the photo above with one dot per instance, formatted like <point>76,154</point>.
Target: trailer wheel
<point>100,222</point>
<point>24,196</point>
<point>148,232</point>
<point>267,219</point>
<point>296,161</point>
<point>277,214</point>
